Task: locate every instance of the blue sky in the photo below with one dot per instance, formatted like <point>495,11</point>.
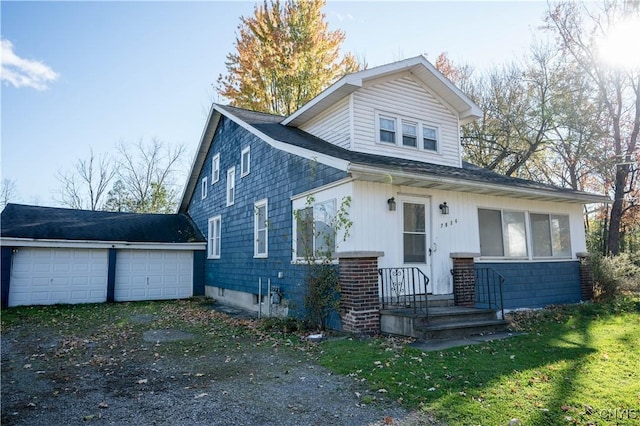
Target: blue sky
<point>106,72</point>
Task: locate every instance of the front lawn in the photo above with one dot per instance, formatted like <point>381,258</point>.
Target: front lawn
<point>575,365</point>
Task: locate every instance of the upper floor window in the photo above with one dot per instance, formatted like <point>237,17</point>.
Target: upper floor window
<point>261,233</point>
<point>387,129</point>
<point>245,162</point>
<point>231,186</point>
<point>203,188</point>
<point>215,169</point>
<point>415,134</point>
<point>409,134</point>
<point>214,238</point>
<point>430,138</point>
<point>504,234</point>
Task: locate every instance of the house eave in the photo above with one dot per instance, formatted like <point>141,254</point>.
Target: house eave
<point>419,66</point>
<point>375,174</point>
<point>90,244</point>
<point>198,161</point>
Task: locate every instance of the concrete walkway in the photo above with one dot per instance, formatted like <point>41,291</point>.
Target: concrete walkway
<point>439,345</point>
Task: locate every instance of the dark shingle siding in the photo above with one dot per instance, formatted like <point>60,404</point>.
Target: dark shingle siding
<point>276,176</point>
<point>270,125</point>
<point>51,223</point>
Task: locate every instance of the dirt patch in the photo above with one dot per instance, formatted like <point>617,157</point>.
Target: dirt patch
<point>174,368</point>
<point>168,335</point>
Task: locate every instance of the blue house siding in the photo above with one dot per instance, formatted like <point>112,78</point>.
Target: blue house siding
<point>275,175</point>
<point>537,284</point>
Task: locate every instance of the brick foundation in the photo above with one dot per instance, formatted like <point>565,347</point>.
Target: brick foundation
<point>586,277</point>
<point>359,299</point>
<point>464,279</point>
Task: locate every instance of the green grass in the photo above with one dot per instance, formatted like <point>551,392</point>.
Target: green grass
<point>575,365</point>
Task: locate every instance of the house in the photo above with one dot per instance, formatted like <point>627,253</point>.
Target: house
<point>388,140</point>
<point>54,255</point>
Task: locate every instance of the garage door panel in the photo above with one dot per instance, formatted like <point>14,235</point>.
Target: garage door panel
<point>153,275</point>
<point>42,276</point>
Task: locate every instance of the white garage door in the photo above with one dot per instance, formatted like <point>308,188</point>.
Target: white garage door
<point>45,276</point>
<point>153,275</point>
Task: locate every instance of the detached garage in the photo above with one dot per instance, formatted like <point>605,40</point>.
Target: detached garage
<point>53,255</point>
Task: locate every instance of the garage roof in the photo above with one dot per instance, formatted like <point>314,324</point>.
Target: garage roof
<point>51,223</point>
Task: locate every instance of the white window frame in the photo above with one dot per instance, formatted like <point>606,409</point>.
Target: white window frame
<point>437,139</point>
<point>214,237</point>
<point>245,152</point>
<point>414,136</point>
<point>203,188</point>
<point>215,169</point>
<point>298,257</point>
<point>256,229</point>
<point>379,129</point>
<point>231,186</point>
<point>528,235</point>
<point>400,122</point>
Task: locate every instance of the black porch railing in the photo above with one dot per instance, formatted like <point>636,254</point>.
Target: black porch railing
<point>489,289</point>
<point>404,288</point>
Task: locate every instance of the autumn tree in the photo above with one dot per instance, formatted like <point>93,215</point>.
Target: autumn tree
<point>578,30</point>
<point>285,55</point>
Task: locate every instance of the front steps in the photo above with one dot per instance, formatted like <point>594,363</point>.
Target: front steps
<point>445,322</point>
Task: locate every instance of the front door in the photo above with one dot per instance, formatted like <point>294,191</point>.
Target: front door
<point>416,241</point>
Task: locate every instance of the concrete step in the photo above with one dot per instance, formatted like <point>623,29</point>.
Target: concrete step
<point>459,329</point>
<point>452,315</point>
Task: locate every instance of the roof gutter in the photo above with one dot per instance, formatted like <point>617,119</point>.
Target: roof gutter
<point>90,244</point>
<point>364,172</point>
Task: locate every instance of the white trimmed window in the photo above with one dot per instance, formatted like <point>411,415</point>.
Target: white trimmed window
<point>315,235</point>
<point>215,169</point>
<point>504,234</point>
<point>260,229</point>
<point>387,133</point>
<point>415,134</point>
<point>245,162</point>
<point>429,138</point>
<point>551,236</point>
<point>213,239</point>
<point>203,188</point>
<point>409,134</point>
<point>231,186</point>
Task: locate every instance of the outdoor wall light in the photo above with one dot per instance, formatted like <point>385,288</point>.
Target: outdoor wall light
<point>444,208</point>
<point>392,204</point>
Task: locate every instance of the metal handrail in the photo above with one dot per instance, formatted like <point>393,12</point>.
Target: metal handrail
<point>488,289</point>
<point>404,287</point>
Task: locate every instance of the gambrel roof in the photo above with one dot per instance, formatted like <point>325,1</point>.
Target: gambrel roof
<point>377,168</point>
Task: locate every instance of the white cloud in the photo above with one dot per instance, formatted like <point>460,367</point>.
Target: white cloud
<point>21,72</point>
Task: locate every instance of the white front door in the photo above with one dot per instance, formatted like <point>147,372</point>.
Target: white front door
<point>416,238</point>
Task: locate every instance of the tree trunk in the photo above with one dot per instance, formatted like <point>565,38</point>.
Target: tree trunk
<point>615,219</point>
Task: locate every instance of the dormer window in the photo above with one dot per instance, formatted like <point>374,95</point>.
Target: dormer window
<point>387,129</point>
<point>415,134</point>
<point>409,134</point>
<point>430,138</point>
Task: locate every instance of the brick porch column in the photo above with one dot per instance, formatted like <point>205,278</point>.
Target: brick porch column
<point>359,297</point>
<point>586,276</point>
<point>464,278</point>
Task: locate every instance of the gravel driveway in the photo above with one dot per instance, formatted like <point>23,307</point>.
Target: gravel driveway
<point>138,371</point>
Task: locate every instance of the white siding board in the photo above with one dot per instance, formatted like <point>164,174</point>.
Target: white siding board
<point>378,229</point>
<point>405,97</point>
<point>332,125</point>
